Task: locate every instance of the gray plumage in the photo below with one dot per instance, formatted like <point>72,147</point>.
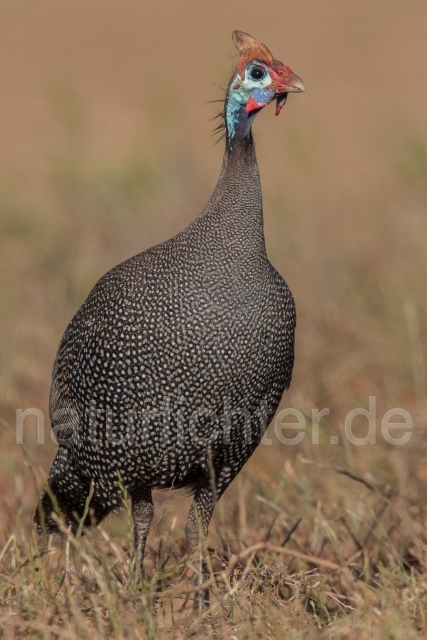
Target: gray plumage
<point>170,372</point>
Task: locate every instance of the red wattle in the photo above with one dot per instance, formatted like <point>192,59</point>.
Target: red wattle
<point>252,105</point>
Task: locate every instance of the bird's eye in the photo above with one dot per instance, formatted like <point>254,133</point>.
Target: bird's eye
<point>257,73</point>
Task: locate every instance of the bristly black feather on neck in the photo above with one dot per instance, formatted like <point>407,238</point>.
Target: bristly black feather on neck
<point>220,130</point>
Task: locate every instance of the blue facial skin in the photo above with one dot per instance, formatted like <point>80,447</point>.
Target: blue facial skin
<point>262,96</point>
<point>233,115</point>
<point>237,120</point>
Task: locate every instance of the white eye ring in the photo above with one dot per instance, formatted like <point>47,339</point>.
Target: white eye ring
<point>257,73</point>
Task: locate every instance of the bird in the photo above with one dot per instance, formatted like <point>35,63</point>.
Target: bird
<point>170,372</point>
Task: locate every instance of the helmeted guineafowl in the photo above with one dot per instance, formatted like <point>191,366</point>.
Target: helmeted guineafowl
<point>170,372</point>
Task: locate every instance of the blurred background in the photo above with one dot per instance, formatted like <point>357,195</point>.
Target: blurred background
<point>106,148</point>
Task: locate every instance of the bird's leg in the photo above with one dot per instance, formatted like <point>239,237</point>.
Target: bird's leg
<point>197,524</point>
<point>142,513</point>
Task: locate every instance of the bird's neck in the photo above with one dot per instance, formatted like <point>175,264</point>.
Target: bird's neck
<point>233,217</point>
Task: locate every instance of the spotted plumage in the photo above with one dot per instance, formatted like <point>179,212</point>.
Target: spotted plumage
<point>170,372</point>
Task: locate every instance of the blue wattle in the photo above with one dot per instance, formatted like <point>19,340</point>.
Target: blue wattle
<point>262,96</point>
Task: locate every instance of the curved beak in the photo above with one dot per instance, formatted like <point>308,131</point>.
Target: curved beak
<point>293,84</point>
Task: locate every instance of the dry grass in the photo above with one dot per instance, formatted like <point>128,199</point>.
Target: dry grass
<point>354,565</point>
<point>94,168</point>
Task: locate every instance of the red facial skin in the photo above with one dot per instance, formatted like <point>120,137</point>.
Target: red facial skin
<point>253,105</point>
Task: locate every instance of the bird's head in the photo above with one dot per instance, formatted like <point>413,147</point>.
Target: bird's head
<point>258,79</point>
